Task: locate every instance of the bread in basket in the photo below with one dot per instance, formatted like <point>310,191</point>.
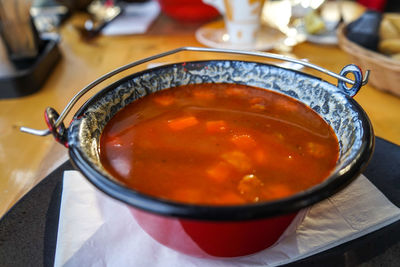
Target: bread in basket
<point>385,71</point>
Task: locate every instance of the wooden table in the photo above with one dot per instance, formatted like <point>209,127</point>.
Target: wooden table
<point>26,159</point>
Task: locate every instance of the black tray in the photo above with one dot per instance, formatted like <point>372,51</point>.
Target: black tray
<point>29,75</point>
<point>28,232</point>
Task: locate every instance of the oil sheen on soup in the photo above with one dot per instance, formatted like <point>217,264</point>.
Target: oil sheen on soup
<point>218,144</point>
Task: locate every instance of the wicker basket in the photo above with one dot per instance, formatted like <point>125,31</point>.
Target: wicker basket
<point>385,72</point>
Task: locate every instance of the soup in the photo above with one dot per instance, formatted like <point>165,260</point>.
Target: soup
<point>218,144</point>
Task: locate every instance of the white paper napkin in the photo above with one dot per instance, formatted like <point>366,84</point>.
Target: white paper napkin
<point>95,230</point>
<point>135,19</point>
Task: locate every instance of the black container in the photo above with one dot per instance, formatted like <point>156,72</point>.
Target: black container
<point>30,74</point>
<point>365,30</point>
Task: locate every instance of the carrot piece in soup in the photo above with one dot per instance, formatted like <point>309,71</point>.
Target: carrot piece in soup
<point>244,141</point>
<point>256,100</point>
<point>164,100</point>
<point>216,126</point>
<point>233,91</point>
<point>204,94</point>
<point>258,107</point>
<point>286,105</point>
<point>257,103</point>
<point>238,160</point>
<point>219,172</point>
<point>316,150</point>
<point>182,123</point>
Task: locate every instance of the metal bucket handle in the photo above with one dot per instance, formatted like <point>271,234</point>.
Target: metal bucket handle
<point>55,121</point>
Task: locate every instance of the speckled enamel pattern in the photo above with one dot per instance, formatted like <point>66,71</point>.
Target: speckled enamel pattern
<point>338,109</point>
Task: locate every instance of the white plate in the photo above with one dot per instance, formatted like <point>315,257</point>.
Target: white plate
<point>214,35</point>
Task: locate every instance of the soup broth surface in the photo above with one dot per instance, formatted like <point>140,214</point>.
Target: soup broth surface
<point>218,144</point>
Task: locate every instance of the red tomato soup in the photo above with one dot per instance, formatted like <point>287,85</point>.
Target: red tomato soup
<point>218,144</point>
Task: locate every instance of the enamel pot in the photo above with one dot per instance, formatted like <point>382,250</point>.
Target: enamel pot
<point>222,231</point>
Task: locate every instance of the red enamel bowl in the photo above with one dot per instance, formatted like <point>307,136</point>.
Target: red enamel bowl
<point>222,231</point>
<point>213,238</point>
